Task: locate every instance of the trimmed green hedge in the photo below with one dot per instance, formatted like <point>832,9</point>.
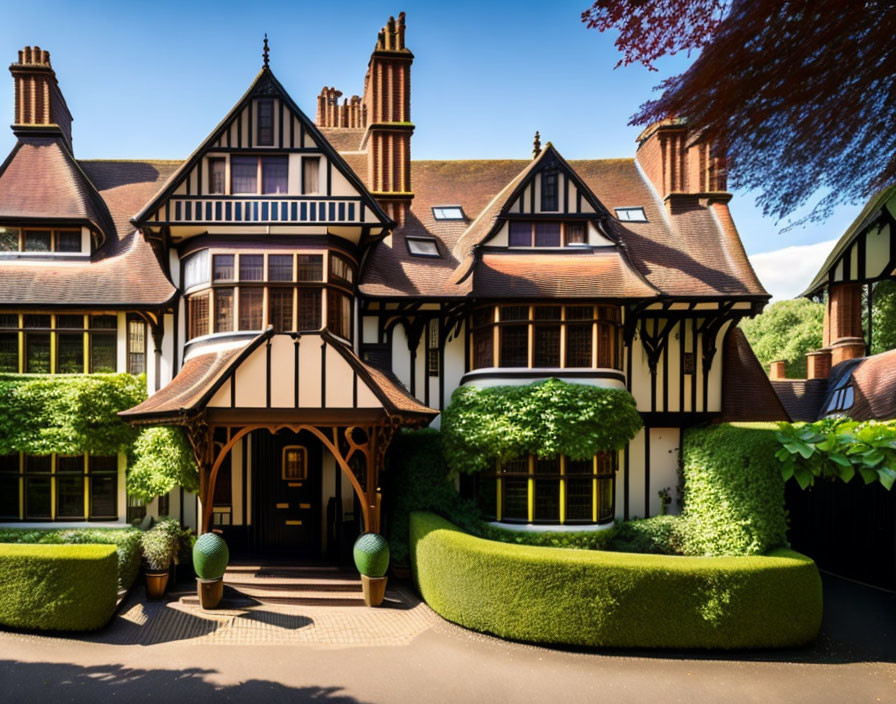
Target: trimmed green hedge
<point>126,540</point>
<point>57,587</point>
<point>580,597</point>
<point>734,493</point>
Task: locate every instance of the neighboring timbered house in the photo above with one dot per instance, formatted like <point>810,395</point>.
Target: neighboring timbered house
<point>296,291</point>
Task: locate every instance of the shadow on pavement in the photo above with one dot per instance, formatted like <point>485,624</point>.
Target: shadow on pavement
<point>41,681</point>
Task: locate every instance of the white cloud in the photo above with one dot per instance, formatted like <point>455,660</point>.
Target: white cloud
<point>786,272</point>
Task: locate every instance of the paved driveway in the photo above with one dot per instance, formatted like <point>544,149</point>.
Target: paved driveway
<point>407,654</point>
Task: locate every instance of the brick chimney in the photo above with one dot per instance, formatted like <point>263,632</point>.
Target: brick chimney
<point>39,105</point>
<point>818,363</point>
<point>387,101</point>
<point>351,114</point>
<point>777,369</point>
<point>843,332</point>
<point>678,162</point>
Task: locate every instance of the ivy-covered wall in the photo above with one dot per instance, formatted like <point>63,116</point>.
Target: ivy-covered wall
<point>546,419</point>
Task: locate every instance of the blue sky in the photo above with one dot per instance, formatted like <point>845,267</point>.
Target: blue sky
<point>150,80</point>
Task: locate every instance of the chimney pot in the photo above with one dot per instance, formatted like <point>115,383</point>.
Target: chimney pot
<point>778,369</point>
<point>818,363</point>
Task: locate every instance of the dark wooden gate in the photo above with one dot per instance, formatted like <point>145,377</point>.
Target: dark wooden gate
<point>286,504</point>
<point>848,529</point>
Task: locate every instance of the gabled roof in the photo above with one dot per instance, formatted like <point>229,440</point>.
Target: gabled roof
<point>693,251</point>
<point>487,222</point>
<point>884,200</point>
<point>203,375</point>
<point>41,181</point>
<point>264,85</point>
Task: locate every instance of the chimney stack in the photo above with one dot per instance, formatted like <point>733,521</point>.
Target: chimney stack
<point>387,110</point>
<point>818,363</point>
<point>39,104</point>
<point>778,370</point>
<point>678,162</point>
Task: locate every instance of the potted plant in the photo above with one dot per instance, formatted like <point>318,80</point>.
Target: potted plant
<point>158,550</point>
<point>371,553</point>
<point>210,558</point>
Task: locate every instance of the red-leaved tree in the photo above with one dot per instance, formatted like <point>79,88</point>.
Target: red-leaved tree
<point>802,93</point>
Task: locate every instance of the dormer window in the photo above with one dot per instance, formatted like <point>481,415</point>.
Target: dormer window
<point>448,212</point>
<point>525,233</point>
<point>631,214</point>
<point>549,179</point>
<point>422,246</point>
<point>14,239</point>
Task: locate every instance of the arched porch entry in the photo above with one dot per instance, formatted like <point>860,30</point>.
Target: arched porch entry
<point>306,383</point>
<point>357,449</point>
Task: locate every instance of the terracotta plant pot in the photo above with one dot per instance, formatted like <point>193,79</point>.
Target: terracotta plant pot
<point>374,589</point>
<point>156,583</point>
<point>210,592</point>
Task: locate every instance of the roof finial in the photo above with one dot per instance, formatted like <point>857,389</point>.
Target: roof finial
<point>266,53</point>
<point>536,145</point>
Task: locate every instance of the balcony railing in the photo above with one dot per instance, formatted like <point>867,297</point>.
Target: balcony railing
<point>235,210</point>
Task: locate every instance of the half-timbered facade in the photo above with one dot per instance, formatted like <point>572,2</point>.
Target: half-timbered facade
<point>297,290</point>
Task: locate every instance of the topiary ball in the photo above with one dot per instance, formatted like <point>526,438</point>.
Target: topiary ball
<point>371,554</point>
<point>210,556</point>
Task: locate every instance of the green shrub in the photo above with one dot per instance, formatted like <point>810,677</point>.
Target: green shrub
<point>594,598</point>
<point>579,540</point>
<point>126,541</point>
<point>158,546</point>
<point>162,460</point>
<point>371,553</point>
<point>417,479</point>
<point>482,426</point>
<point>210,556</point>
<point>57,587</point>
<point>660,535</point>
<point>734,493</point>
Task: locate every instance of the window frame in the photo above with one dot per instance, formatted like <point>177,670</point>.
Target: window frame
<point>438,213</point>
<point>428,240</point>
<point>533,227</point>
<point>630,209</point>
<point>54,241</point>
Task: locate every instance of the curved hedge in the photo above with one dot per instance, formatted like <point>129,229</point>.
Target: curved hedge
<point>581,597</point>
<point>57,587</point>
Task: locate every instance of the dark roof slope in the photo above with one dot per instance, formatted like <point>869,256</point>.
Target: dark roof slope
<point>801,397</point>
<point>747,394</point>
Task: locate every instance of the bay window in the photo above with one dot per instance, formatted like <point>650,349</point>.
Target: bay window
<point>545,336</point>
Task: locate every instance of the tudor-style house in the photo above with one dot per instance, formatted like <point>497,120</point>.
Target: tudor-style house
<point>295,291</point>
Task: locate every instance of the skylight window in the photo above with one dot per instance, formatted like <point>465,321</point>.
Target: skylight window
<point>422,246</point>
<point>631,214</point>
<point>448,212</point>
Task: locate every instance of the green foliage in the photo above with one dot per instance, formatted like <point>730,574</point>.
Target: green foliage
<point>57,587</point>
<point>660,535</point>
<point>786,330</point>
<point>594,598</point>
<point>210,556</point>
<point>883,316</point>
<point>69,414</point>
<point>125,540</point>
<point>417,479</point>
<point>577,540</point>
<point>734,495</point>
<point>162,460</point>
<point>547,419</point>
<point>838,448</point>
<point>159,545</point>
<point>371,553</point>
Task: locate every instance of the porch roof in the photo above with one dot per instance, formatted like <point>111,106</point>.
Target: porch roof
<point>279,373</point>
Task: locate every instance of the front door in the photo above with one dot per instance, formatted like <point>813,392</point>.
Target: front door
<point>286,471</point>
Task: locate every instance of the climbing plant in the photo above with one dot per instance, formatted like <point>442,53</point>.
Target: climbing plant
<point>547,419</point>
<point>161,460</point>
<point>67,414</point>
<point>838,448</point>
